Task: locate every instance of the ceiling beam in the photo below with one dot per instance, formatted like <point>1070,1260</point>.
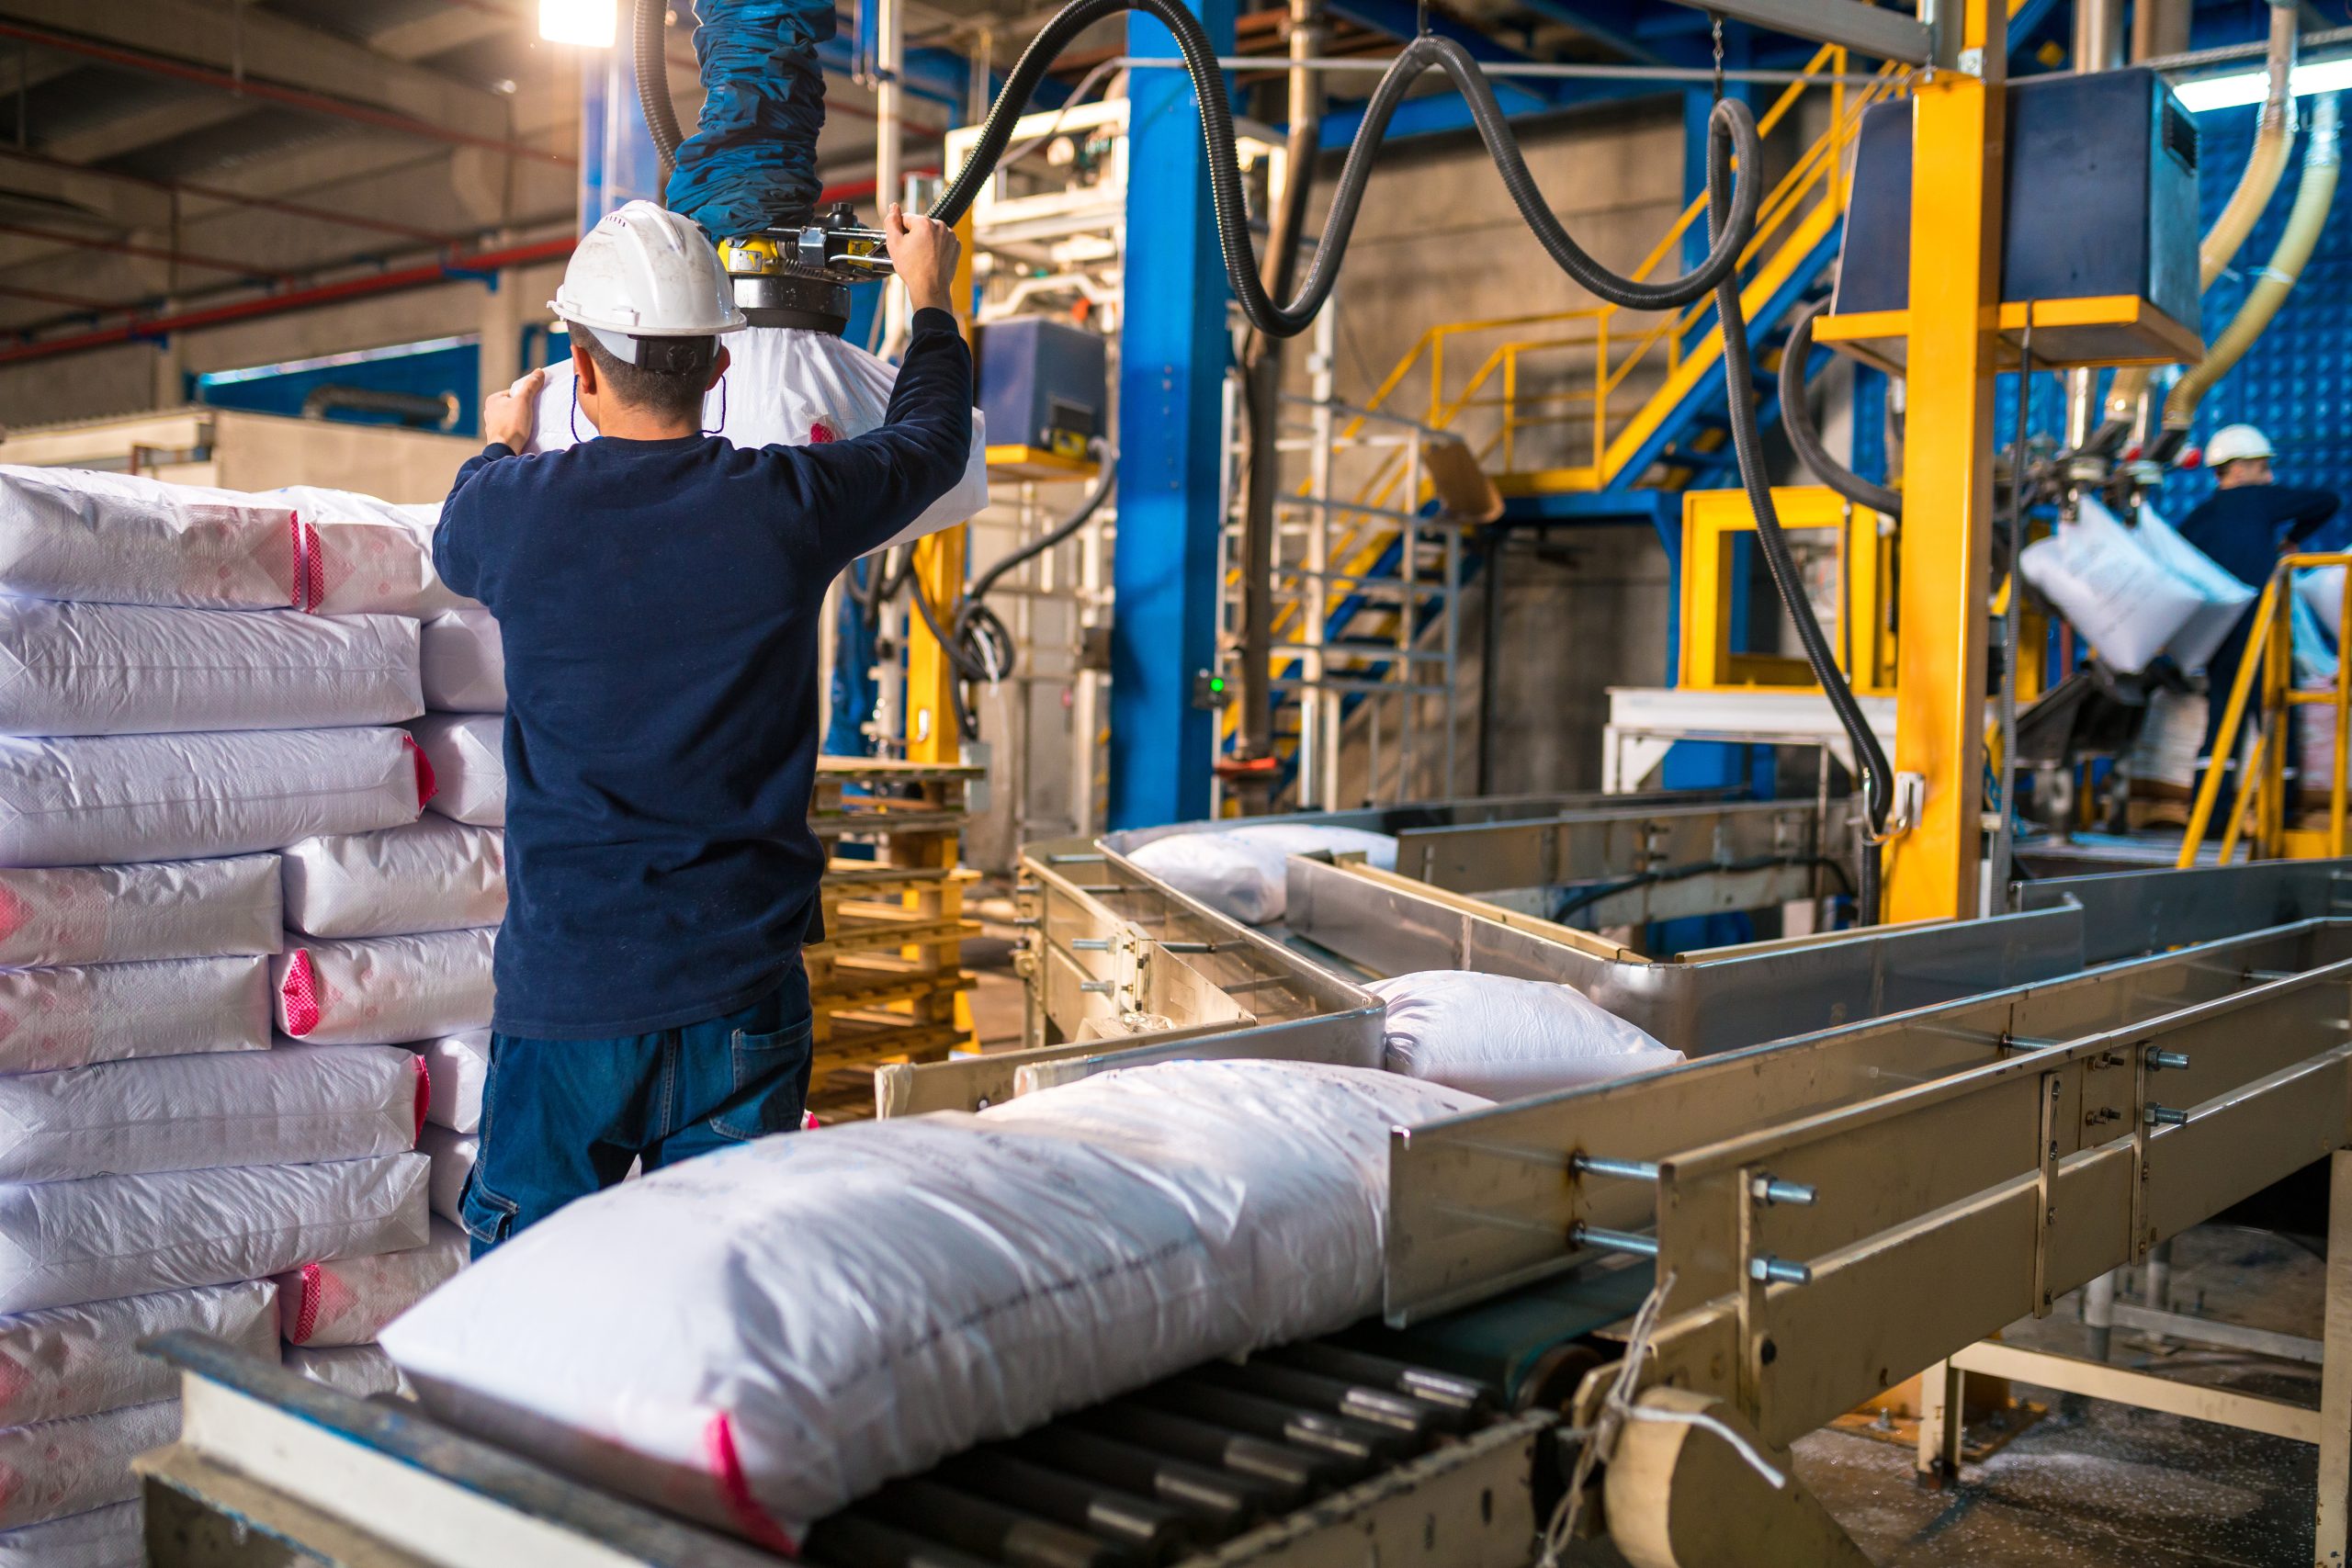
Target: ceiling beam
<point>268,58</point>
<point>145,128</point>
<point>438,32</point>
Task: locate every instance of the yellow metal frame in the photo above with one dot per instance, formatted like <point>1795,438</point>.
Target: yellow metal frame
<point>2271,664</point>
<point>1864,638</point>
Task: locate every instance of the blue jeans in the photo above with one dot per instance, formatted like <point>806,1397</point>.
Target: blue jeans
<point>562,1119</point>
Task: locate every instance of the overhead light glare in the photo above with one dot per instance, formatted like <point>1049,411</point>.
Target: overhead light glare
<point>592,24</point>
<point>2243,87</point>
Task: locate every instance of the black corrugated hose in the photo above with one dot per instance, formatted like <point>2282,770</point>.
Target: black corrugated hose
<point>1796,418</point>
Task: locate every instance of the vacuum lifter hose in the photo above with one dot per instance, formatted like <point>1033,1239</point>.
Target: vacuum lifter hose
<point>1739,380</point>
<point>1796,418</point>
<point>1732,139</point>
<point>2314,194</point>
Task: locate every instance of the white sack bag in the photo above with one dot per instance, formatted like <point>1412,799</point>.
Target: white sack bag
<point>2225,598</point>
<point>1506,1038</point>
<point>61,1468</point>
<point>362,555</point>
<point>790,387</point>
<point>468,756</point>
<point>385,990</point>
<point>96,799</point>
<point>1287,839</point>
<point>76,1014</point>
<point>349,1300</point>
<point>1243,872</point>
<point>120,539</point>
<point>463,663</point>
<point>362,1372</point>
<point>2321,587</point>
<point>111,1537</point>
<point>848,1305</point>
<point>431,875</point>
<point>79,1360</point>
<point>453,1155</point>
<point>299,1106</point>
<point>63,1242</point>
<point>133,670</point>
<point>459,1064</point>
<point>112,913</point>
<point>2125,602</point>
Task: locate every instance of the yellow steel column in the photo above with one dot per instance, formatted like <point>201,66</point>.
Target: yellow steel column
<point>1957,127</point>
<point>939,577</point>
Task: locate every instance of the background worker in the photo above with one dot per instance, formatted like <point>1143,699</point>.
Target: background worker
<point>659,593</point>
<point>2246,524</point>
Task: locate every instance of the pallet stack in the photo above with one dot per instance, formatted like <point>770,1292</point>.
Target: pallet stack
<point>887,980</point>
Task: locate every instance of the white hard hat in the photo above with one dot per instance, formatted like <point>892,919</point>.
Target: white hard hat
<point>2235,442</point>
<point>645,272</point>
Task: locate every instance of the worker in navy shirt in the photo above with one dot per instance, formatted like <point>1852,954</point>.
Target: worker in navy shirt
<point>659,593</point>
<point>2246,524</point>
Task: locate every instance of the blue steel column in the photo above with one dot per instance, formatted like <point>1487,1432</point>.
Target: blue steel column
<point>1173,351</point>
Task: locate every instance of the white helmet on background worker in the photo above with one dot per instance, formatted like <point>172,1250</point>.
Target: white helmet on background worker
<point>641,275</point>
<point>2236,444</point>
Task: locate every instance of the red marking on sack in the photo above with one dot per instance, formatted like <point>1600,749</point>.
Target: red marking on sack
<point>314,569</point>
<point>807,1121</point>
<point>14,912</point>
<point>424,1097</point>
<point>426,785</point>
<point>822,435</point>
<point>14,1380</point>
<point>300,992</point>
<point>294,561</point>
<point>306,1317</point>
<point>735,1492</point>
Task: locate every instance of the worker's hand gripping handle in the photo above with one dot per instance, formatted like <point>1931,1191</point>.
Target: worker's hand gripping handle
<point>923,251</point>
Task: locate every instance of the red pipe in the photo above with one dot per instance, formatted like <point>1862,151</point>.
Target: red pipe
<point>256,88</point>
<point>301,299</point>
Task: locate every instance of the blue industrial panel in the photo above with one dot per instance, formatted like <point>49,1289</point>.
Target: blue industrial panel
<point>434,369</point>
<point>1173,353</point>
<point>2296,382</point>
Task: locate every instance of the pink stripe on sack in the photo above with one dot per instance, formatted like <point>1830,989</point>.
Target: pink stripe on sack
<point>294,560</point>
<point>314,569</point>
<point>300,992</point>
<point>735,1492</point>
<point>306,1316</point>
<point>427,786</point>
<point>424,1097</point>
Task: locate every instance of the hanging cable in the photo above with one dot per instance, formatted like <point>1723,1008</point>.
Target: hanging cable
<point>1796,418</point>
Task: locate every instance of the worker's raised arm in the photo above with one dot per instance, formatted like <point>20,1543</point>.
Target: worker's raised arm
<point>870,488</point>
<point>2307,511</point>
<point>506,423</point>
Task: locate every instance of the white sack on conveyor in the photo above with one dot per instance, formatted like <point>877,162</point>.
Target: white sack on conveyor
<point>298,1106</point>
<point>385,990</point>
<point>463,663</point>
<point>2224,597</point>
<point>363,554</point>
<point>111,1537</point>
<point>459,1064</point>
<point>96,799</point>
<point>431,875</point>
<point>115,914</point>
<point>790,387</point>
<point>468,756</point>
<point>349,1301</point>
<point>1243,872</point>
<point>453,1155</point>
<point>1508,1039</point>
<point>2121,598</point>
<point>119,539</point>
<point>76,1014</point>
<point>362,1372</point>
<point>133,670</point>
<point>79,1360</point>
<point>63,1242</point>
<point>61,1468</point>
<point>852,1304</point>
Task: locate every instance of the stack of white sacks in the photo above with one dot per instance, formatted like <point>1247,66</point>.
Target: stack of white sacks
<point>191,683</point>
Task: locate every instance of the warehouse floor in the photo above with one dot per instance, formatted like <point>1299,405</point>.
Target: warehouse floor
<point>2098,1485</point>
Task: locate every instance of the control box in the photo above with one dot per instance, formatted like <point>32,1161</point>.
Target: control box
<point>1041,384</point>
<point>2099,197</point>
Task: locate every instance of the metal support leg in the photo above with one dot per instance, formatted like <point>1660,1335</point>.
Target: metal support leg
<point>2098,1314</point>
<point>2334,1546</point>
<point>1942,1421</point>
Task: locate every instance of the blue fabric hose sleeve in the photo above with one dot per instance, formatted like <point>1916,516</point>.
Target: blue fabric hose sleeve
<point>752,163</point>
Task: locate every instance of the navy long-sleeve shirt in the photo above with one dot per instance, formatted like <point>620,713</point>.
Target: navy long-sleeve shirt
<point>2243,529</point>
<point>659,604</point>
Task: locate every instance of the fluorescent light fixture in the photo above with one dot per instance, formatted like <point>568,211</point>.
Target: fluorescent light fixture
<point>589,23</point>
<point>2243,87</point>
<point>333,361</point>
